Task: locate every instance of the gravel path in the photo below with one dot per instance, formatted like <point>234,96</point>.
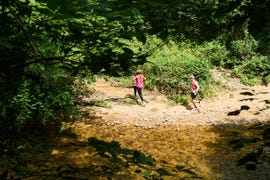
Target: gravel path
<point>240,105</point>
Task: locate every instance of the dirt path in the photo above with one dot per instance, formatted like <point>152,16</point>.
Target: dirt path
<point>241,105</point>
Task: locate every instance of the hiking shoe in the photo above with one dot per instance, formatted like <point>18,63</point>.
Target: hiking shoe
<point>143,104</point>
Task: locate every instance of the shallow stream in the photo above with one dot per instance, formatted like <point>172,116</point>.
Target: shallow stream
<point>94,151</point>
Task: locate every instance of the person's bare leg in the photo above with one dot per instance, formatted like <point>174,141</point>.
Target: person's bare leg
<point>194,104</point>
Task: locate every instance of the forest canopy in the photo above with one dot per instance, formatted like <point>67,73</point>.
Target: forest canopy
<point>46,45</point>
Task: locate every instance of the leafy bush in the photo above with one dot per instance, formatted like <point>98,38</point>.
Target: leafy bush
<point>42,97</point>
<point>254,71</point>
<point>244,48</point>
<point>184,100</point>
<point>214,51</point>
<point>169,67</point>
<point>24,104</point>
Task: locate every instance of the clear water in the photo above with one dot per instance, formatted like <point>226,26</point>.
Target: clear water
<point>129,152</point>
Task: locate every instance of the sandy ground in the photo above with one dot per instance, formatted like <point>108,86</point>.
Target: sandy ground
<point>242,104</point>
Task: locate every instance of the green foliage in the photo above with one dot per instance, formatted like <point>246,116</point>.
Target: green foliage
<point>244,48</point>
<point>45,102</point>
<point>204,20</point>
<point>44,45</point>
<point>125,80</point>
<point>63,127</point>
<point>184,100</point>
<point>172,65</point>
<point>169,67</point>
<point>101,103</point>
<point>24,104</point>
<point>255,71</point>
<point>214,51</point>
<point>37,65</point>
<point>146,173</point>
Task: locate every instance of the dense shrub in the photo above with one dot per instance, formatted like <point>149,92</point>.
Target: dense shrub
<point>214,51</point>
<point>168,68</point>
<point>241,49</point>
<point>172,77</point>
<point>42,97</point>
<point>254,71</point>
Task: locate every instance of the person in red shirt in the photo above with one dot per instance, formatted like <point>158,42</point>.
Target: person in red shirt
<point>194,90</point>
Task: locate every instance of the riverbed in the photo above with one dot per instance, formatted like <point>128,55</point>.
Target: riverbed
<point>98,151</point>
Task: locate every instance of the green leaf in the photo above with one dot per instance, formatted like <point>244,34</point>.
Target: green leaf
<point>53,4</point>
<point>146,173</point>
<point>6,44</point>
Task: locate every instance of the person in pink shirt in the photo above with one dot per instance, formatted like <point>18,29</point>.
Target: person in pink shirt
<point>139,79</point>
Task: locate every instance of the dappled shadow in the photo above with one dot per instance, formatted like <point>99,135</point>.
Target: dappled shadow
<point>247,99</point>
<point>62,156</point>
<point>258,156</point>
<point>130,96</point>
<point>244,107</point>
<point>90,116</point>
<point>237,112</point>
<point>263,109</point>
<point>176,152</point>
<point>267,101</point>
<point>234,113</point>
<point>112,150</point>
<point>247,93</point>
<point>128,157</point>
<point>263,93</point>
<point>251,145</point>
<point>188,107</point>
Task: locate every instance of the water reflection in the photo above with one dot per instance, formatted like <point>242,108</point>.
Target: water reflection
<point>128,152</point>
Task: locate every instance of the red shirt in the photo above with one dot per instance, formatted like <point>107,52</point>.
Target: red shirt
<point>194,85</point>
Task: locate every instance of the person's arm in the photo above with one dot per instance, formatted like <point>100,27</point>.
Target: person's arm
<point>198,87</point>
<point>143,78</point>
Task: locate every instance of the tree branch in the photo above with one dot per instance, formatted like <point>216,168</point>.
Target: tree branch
<point>60,59</point>
<point>18,20</point>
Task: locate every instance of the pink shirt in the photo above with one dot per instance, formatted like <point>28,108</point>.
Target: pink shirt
<point>139,81</point>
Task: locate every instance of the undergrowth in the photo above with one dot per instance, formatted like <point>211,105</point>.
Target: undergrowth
<point>170,65</point>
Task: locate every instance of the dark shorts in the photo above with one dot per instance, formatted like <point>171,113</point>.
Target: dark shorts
<point>193,95</point>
